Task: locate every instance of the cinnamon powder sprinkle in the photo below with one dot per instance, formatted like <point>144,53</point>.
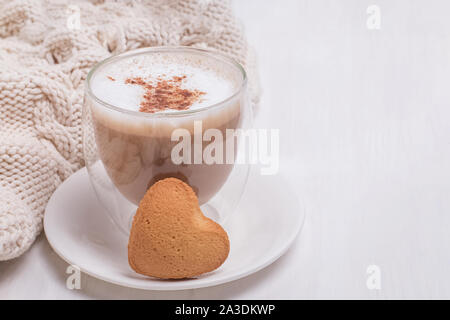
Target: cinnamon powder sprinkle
<point>111,78</point>
<point>165,94</point>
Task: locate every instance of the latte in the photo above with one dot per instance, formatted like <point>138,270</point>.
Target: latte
<point>136,102</point>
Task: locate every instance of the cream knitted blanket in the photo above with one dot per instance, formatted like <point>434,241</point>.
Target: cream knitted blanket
<point>46,49</point>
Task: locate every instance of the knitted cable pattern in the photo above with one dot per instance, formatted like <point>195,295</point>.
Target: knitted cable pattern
<point>46,50</point>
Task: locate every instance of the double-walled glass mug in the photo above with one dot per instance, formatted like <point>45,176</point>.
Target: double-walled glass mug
<point>126,151</point>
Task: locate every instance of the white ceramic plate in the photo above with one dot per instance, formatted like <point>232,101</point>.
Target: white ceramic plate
<point>265,224</point>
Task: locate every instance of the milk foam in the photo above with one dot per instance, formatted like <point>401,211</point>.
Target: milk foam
<point>217,81</point>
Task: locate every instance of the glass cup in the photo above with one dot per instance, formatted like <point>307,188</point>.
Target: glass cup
<point>127,151</point>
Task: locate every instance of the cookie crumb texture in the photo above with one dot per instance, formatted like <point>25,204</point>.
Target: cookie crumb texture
<point>171,238</point>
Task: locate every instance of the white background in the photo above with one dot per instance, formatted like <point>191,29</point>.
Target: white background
<point>364,118</point>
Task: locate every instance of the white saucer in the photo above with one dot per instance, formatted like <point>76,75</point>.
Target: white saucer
<point>265,224</point>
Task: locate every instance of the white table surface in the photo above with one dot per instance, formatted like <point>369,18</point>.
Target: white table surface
<point>365,139</point>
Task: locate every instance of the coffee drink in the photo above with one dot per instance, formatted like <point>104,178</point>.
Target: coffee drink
<point>137,101</point>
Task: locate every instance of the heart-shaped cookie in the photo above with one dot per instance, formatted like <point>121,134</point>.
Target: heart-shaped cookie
<point>171,238</point>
